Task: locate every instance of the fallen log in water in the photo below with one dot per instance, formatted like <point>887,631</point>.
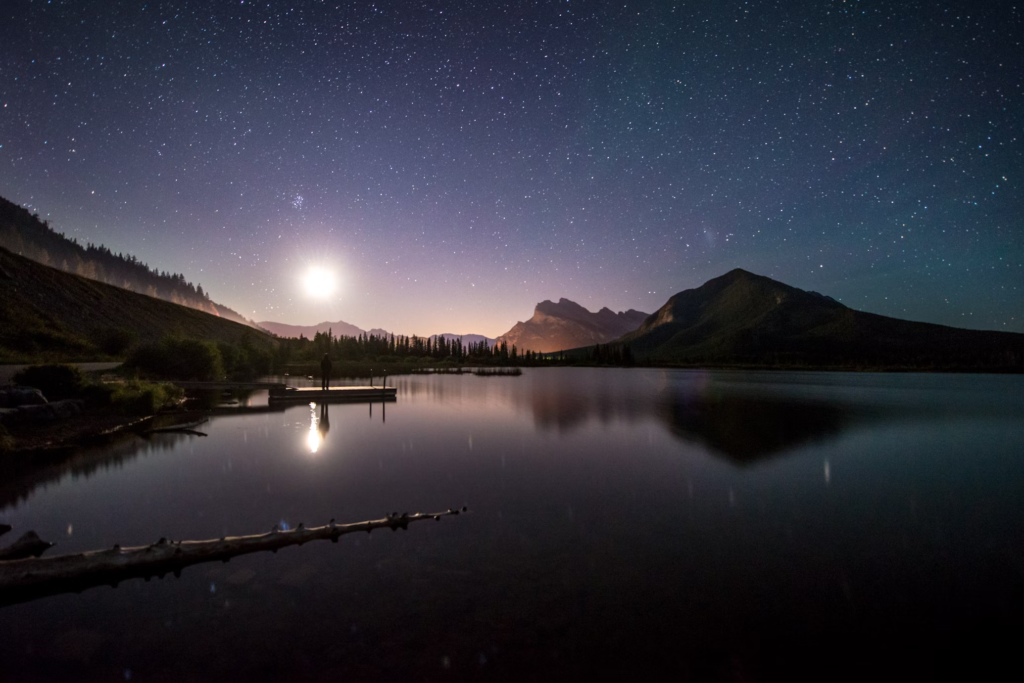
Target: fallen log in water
<point>28,579</point>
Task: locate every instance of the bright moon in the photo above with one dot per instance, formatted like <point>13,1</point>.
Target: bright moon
<point>319,282</point>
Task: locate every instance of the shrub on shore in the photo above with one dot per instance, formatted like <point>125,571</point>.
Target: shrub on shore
<point>245,361</point>
<point>173,358</point>
<point>57,382</point>
<point>137,397</point>
<point>190,359</point>
<point>131,397</point>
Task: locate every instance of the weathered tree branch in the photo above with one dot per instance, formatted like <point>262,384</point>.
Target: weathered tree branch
<point>28,579</point>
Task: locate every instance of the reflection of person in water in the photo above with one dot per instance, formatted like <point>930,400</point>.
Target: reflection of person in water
<point>325,372</point>
<point>325,423</point>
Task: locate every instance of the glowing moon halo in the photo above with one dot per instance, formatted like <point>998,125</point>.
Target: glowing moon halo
<point>319,282</point>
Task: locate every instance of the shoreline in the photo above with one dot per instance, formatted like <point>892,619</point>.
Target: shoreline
<point>91,428</point>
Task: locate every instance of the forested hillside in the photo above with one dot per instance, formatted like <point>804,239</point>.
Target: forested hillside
<point>50,315</point>
<point>23,233</point>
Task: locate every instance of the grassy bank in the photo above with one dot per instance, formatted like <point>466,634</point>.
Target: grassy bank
<point>107,405</point>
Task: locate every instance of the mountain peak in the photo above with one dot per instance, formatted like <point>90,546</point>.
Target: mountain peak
<point>564,307</point>
<point>735,275</point>
<point>743,318</point>
<point>739,272</point>
<point>567,325</point>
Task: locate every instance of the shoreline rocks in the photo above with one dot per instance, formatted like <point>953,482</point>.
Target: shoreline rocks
<point>56,410</point>
<point>16,397</point>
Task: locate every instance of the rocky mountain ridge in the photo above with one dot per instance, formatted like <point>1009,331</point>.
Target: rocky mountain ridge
<point>567,325</point>
<point>745,319</point>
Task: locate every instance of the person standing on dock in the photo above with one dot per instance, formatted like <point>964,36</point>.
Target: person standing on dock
<point>325,372</point>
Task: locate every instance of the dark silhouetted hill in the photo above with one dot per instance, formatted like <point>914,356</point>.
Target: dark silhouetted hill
<point>567,325</point>
<point>46,313</point>
<point>23,233</point>
<point>746,319</point>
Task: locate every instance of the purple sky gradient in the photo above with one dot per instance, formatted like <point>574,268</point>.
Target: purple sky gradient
<point>454,163</point>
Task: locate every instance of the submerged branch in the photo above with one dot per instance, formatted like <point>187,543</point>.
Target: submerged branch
<point>190,432</point>
<point>184,428</point>
<point>28,579</point>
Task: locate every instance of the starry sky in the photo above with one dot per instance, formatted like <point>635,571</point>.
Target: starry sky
<point>454,163</point>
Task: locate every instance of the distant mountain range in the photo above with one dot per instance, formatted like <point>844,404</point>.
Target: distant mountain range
<point>24,234</point>
<point>338,329</point>
<point>341,328</point>
<point>567,325</point>
<point>746,319</point>
<point>737,319</point>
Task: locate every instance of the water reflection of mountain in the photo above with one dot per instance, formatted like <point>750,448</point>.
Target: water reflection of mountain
<point>739,423</point>
<point>748,428</point>
<point>21,475</point>
<point>566,409</point>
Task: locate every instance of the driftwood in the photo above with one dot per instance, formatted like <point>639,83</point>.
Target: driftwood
<point>22,580</point>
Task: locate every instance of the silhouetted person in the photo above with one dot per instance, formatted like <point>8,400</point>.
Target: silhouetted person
<point>325,372</point>
<point>325,422</point>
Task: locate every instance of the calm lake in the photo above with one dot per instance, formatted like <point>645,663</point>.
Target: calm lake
<point>701,525</point>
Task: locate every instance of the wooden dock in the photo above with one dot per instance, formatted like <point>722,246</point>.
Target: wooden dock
<point>350,393</point>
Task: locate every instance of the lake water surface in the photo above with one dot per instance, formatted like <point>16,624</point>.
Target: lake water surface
<point>623,523</point>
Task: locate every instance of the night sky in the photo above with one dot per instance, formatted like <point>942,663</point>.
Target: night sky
<point>454,163</point>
